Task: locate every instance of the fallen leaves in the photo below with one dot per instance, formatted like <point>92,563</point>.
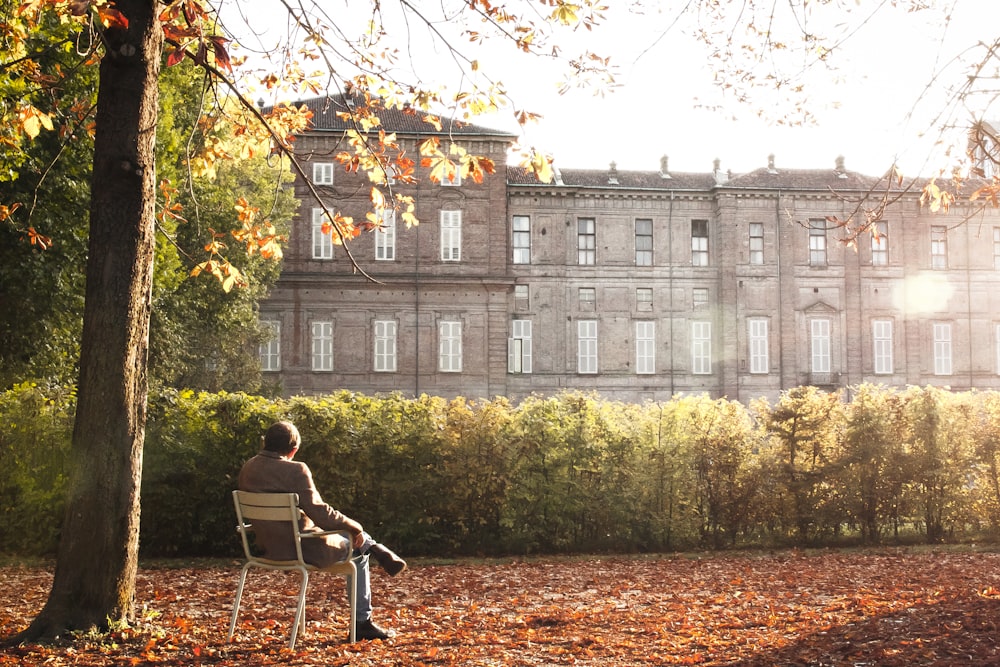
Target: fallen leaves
<point>890,608</point>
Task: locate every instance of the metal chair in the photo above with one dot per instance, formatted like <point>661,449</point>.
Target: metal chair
<point>283,507</point>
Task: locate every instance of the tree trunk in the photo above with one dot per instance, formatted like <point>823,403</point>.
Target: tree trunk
<point>98,550</point>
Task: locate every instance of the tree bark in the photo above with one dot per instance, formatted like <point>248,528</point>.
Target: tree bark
<point>94,581</point>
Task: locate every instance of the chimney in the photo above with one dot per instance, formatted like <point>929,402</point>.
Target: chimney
<point>839,170</point>
<point>664,172</point>
<point>770,164</point>
<point>720,177</point>
<point>613,174</point>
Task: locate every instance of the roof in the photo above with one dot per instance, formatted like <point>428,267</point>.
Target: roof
<point>402,121</point>
<point>839,180</point>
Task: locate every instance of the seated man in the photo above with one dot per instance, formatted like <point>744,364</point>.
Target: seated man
<point>274,471</point>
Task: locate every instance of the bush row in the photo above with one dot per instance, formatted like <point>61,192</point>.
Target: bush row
<point>568,473</point>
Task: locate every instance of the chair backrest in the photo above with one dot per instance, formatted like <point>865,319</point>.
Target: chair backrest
<point>276,507</point>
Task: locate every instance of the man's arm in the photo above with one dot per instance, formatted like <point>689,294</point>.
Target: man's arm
<point>322,514</point>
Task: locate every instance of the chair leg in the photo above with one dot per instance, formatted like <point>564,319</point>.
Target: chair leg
<point>300,610</point>
<point>352,586</point>
<point>236,602</point>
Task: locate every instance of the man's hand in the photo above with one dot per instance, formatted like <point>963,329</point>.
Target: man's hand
<point>357,532</point>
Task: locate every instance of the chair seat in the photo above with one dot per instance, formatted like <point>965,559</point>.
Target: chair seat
<point>283,507</point>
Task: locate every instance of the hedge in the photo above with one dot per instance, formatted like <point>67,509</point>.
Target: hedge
<point>570,473</point>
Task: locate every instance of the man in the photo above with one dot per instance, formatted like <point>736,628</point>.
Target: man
<point>273,470</point>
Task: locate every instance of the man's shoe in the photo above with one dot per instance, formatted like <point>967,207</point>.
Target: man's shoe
<point>389,561</point>
<point>368,630</point>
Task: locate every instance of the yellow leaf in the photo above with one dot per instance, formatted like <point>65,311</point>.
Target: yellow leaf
<point>540,165</point>
<point>566,14</point>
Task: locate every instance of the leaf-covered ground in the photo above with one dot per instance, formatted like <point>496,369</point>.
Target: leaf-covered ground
<point>851,609</point>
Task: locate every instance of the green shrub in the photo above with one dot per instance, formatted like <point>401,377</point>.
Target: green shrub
<point>568,473</point>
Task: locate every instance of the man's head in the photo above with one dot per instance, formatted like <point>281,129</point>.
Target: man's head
<point>281,438</point>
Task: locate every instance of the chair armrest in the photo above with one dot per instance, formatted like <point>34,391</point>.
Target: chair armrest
<point>324,533</point>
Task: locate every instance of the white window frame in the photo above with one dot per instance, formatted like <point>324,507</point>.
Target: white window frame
<point>755,243</point>
<point>701,347</point>
<point>699,243</point>
<point>451,236</point>
<point>322,244</point>
<point>939,247</point>
<point>586,241</point>
<point>819,346</point>
<point>522,300</point>
<point>942,348</point>
<point>385,236</point>
<point>996,248</point>
<point>450,346</point>
<point>520,241</point>
<point>996,333</point>
<point>699,298</point>
<point>880,245</point>
<point>758,344</point>
<point>587,298</point>
<point>323,173</point>
<point>519,347</point>
<point>644,298</point>
<point>817,243</point>
<point>321,345</point>
<point>270,350</point>
<point>645,347</point>
<point>882,361</point>
<point>456,179</point>
<point>385,346</point>
<point>644,242</point>
<point>586,349</point>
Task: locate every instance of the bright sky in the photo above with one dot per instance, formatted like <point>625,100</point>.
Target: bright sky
<point>861,112</point>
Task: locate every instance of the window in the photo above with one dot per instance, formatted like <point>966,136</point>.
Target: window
<point>644,298</point>
<point>588,298</point>
<point>586,355</point>
<point>701,348</point>
<point>819,336</point>
<point>322,240</point>
<point>942,348</point>
<point>385,346</point>
<point>586,241</point>
<point>453,177</point>
<point>385,236</point>
<point>939,247</point>
<point>882,346</point>
<point>996,330</point>
<point>519,347</point>
<point>645,347</point>
<point>880,244</point>
<point>756,243</point>
<point>322,346</point>
<point>643,242</point>
<point>450,347</point>
<point>758,343</point>
<point>521,239</point>
<point>451,236</point>
<point>270,350</point>
<point>817,242</point>
<point>699,298</point>
<point>699,243</point>
<point>996,248</point>
<point>521,301</point>
<point>323,173</point>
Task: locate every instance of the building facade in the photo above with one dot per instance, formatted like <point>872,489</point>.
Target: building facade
<point>637,285</point>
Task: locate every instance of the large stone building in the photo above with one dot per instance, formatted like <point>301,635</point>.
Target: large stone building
<point>638,285</point>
